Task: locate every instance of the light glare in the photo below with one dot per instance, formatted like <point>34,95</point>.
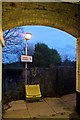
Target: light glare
<point>28,36</point>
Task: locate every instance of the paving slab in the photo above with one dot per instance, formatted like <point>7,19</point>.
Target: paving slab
<point>69,101</point>
<point>16,114</point>
<point>57,106</point>
<point>17,105</point>
<point>47,108</point>
<point>40,110</point>
<point>17,109</point>
<point>69,97</point>
<point>70,104</point>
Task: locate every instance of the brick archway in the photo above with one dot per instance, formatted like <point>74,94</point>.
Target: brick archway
<point>64,16</point>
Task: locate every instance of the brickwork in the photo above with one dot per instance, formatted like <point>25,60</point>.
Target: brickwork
<point>64,16</point>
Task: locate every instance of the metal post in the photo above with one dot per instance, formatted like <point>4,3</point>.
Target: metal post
<point>27,37</point>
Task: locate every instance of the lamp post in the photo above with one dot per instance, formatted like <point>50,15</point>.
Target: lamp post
<point>27,37</point>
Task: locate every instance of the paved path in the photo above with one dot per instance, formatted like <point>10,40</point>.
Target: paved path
<point>63,107</point>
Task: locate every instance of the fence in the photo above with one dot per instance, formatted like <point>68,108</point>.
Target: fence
<point>53,82</point>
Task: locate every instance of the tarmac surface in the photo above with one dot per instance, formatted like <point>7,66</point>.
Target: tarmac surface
<point>63,107</point>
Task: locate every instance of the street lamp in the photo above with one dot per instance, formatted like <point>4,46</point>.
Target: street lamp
<point>27,37</point>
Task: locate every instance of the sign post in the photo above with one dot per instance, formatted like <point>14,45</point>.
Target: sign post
<point>27,37</point>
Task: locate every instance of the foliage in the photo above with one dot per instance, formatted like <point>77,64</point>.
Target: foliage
<point>11,34</point>
<point>45,57</point>
<point>15,45</point>
<point>69,63</point>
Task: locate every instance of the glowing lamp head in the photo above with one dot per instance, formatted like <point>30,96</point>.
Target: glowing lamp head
<point>28,36</point>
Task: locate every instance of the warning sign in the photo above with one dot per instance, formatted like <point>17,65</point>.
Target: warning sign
<point>25,58</point>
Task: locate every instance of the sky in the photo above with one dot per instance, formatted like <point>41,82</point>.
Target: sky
<point>54,38</point>
<point>57,39</point>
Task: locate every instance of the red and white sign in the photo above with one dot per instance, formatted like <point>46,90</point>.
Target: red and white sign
<point>25,58</point>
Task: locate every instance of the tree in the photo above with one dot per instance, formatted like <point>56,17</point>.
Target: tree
<point>45,57</point>
<point>69,63</point>
<point>11,34</point>
<point>14,45</point>
<point>55,58</point>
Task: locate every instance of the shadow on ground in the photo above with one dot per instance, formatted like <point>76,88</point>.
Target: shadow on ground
<point>74,116</point>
